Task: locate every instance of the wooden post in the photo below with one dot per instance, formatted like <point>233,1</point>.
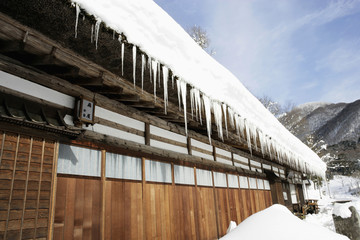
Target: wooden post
<point>147,133</point>
<point>53,192</point>
<point>143,196</point>
<point>214,153</point>
<point>12,187</point>
<point>2,147</point>
<point>39,187</point>
<point>103,192</point>
<point>197,221</point>
<point>189,146</point>
<point>216,205</point>
<point>26,188</point>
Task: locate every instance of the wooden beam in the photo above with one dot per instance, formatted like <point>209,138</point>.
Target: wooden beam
<point>108,90</point>
<point>127,98</point>
<point>98,81</point>
<point>11,46</point>
<point>72,73</point>
<point>142,104</point>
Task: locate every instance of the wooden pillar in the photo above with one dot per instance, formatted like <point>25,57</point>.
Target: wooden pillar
<point>103,192</point>
<point>147,133</point>
<point>189,146</point>
<point>197,220</point>
<point>216,204</point>
<point>53,192</point>
<point>143,196</point>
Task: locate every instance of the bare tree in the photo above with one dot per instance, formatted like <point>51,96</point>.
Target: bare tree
<point>200,36</point>
<point>271,105</point>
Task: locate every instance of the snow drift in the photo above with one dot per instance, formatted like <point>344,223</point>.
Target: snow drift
<point>277,222</point>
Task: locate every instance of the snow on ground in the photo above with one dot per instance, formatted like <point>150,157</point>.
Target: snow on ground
<point>277,222</point>
<point>341,189</point>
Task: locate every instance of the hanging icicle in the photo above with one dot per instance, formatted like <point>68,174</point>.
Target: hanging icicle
<point>192,103</point>
<point>113,34</point>
<point>183,97</point>
<point>231,117</point>
<point>134,64</point>
<point>224,107</point>
<point>97,29</point>
<point>262,142</point>
<point>253,134</point>
<point>165,72</point>
<point>217,109</point>
<point>92,33</point>
<point>195,99</point>
<point>143,63</point>
<point>248,135</point>
<point>150,68</point>
<point>122,58</point>
<point>159,75</point>
<point>178,92</point>
<point>207,107</point>
<point>172,80</point>
<point>154,64</point>
<point>77,18</point>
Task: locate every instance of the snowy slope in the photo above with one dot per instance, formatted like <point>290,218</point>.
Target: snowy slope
<point>147,26</point>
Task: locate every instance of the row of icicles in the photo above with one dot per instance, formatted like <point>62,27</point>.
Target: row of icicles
<point>200,102</point>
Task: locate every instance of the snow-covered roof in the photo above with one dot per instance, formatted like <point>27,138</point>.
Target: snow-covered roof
<point>152,30</point>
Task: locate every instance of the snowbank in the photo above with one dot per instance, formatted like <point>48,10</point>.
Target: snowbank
<point>150,28</point>
<point>277,222</point>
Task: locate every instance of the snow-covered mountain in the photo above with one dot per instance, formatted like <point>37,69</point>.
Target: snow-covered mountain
<point>332,130</point>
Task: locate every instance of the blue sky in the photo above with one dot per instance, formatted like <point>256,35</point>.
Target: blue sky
<point>291,50</point>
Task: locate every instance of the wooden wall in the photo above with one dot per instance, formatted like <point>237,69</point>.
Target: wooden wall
<point>146,210</point>
<point>26,166</point>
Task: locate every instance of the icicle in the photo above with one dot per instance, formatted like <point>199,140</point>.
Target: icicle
<point>122,58</point>
<point>253,134</point>
<point>195,99</point>
<point>198,105</point>
<point>178,92</point>
<point>154,68</point>
<point>159,74</point>
<point>134,63</point>
<point>262,143</point>
<point>143,63</point>
<point>183,97</point>
<point>207,107</point>
<point>150,68</point>
<point>192,102</point>
<point>231,117</point>
<point>218,118</point>
<point>77,18</point>
<point>113,34</point>
<point>248,136</point>
<point>92,33</point>
<point>237,124</point>
<point>97,28</point>
<point>172,80</point>
<point>224,107</point>
<point>165,71</point>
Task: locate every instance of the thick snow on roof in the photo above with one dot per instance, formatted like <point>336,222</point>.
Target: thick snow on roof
<point>150,28</point>
<point>277,222</point>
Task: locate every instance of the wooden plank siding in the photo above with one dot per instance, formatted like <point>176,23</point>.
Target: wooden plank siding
<point>25,186</point>
<point>170,211</point>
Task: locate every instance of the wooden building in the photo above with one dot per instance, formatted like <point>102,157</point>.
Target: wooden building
<point>89,151</point>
